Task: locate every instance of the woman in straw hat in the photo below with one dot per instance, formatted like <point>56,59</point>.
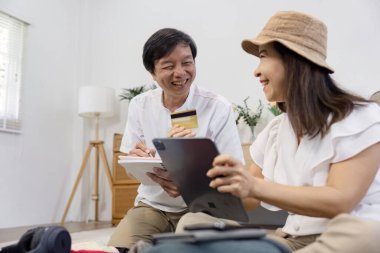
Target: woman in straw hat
<point>320,159</point>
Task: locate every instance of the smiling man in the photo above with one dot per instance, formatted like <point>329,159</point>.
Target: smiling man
<point>169,56</point>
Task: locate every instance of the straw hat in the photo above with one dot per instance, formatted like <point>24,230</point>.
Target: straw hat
<point>301,33</point>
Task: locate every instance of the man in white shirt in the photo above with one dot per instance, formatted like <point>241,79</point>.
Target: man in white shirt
<point>169,55</point>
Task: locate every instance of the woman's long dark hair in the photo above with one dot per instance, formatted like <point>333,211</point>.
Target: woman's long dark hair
<point>313,96</point>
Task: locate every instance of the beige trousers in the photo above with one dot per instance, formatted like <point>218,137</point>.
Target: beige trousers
<point>347,234</point>
<point>344,234</point>
<point>200,218</point>
<point>140,223</point>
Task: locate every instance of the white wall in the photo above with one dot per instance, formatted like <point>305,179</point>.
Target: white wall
<point>37,164</point>
<point>218,27</point>
<point>71,43</point>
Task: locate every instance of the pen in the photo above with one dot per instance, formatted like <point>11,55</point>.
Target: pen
<point>143,142</point>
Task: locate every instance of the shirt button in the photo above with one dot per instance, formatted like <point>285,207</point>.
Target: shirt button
<point>297,227</point>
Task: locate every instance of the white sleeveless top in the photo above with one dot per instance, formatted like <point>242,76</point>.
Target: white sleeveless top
<point>283,161</point>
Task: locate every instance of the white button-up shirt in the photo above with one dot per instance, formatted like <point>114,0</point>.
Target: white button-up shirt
<point>149,119</point>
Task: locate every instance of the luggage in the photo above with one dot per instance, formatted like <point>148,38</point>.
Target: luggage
<point>218,241</point>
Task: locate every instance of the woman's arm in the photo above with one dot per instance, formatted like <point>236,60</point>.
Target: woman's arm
<point>245,175</point>
<point>347,183</point>
<point>251,203</point>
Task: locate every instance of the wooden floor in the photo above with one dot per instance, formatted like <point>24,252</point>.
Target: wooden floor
<point>13,234</point>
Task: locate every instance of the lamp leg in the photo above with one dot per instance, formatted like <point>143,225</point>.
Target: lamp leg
<point>106,167</point>
<point>95,196</point>
<point>99,147</point>
<point>80,174</point>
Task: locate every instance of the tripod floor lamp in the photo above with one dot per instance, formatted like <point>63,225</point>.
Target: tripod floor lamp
<point>94,102</point>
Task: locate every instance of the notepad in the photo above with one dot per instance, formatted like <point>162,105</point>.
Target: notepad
<point>137,167</point>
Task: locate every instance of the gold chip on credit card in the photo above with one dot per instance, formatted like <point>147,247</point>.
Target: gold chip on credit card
<point>187,119</point>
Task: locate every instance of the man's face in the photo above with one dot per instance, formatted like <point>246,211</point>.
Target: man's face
<point>175,73</point>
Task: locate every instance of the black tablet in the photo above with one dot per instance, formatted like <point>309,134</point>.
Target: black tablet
<point>188,160</point>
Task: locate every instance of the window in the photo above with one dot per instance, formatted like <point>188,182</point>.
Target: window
<point>11,45</point>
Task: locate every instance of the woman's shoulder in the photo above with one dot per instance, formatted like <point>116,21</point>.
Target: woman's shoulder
<point>356,132</point>
<point>362,117</point>
<point>272,128</point>
<point>365,109</point>
<point>275,122</point>
<point>268,136</point>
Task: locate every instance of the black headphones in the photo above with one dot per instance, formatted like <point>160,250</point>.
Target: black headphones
<point>53,239</point>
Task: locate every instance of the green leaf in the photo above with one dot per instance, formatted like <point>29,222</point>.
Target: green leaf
<point>129,93</point>
<point>249,116</point>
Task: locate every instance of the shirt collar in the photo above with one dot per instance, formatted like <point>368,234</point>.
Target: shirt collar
<point>188,105</point>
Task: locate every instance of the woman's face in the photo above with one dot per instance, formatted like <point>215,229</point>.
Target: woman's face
<point>271,72</point>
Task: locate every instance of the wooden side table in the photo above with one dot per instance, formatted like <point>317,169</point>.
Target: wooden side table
<point>124,188</point>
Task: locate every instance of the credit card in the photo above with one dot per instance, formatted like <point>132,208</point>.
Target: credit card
<point>187,119</point>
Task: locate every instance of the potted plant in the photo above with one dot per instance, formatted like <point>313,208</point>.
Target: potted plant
<point>249,116</point>
<point>129,93</point>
